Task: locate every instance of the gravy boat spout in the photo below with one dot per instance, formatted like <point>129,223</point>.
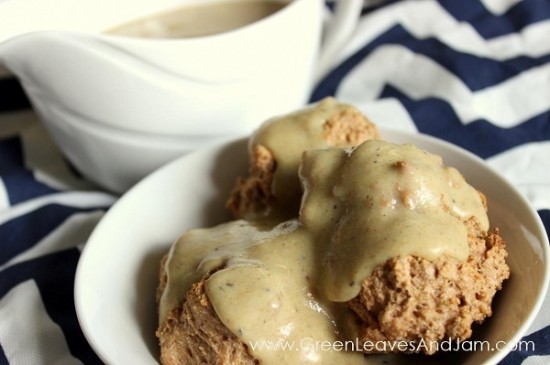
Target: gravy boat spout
<point>222,84</point>
<point>129,85</point>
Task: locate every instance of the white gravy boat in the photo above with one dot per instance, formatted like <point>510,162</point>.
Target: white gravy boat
<point>81,80</point>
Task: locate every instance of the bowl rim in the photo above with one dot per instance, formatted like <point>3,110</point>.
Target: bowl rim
<point>534,217</point>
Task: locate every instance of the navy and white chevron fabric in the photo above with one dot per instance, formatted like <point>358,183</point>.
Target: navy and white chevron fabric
<point>473,72</point>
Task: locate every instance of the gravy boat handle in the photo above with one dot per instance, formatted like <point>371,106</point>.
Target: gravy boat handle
<point>339,28</point>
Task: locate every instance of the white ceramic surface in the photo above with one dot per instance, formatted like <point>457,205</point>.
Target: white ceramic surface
<point>210,86</point>
<point>117,274</point>
<point>116,159</point>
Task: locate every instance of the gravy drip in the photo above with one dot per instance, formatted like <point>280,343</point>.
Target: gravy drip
<point>380,201</point>
<point>263,292</point>
<point>286,138</point>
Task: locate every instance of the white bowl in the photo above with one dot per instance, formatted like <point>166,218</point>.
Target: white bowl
<point>117,274</point>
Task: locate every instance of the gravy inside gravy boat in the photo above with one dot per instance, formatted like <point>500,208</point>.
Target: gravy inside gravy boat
<point>124,87</point>
<point>199,19</point>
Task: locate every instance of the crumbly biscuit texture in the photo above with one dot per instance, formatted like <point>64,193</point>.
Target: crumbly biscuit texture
<point>194,335</point>
<point>253,195</point>
<point>349,127</point>
<point>413,299</point>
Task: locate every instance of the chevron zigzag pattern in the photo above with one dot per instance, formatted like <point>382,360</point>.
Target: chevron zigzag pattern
<point>473,72</point>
